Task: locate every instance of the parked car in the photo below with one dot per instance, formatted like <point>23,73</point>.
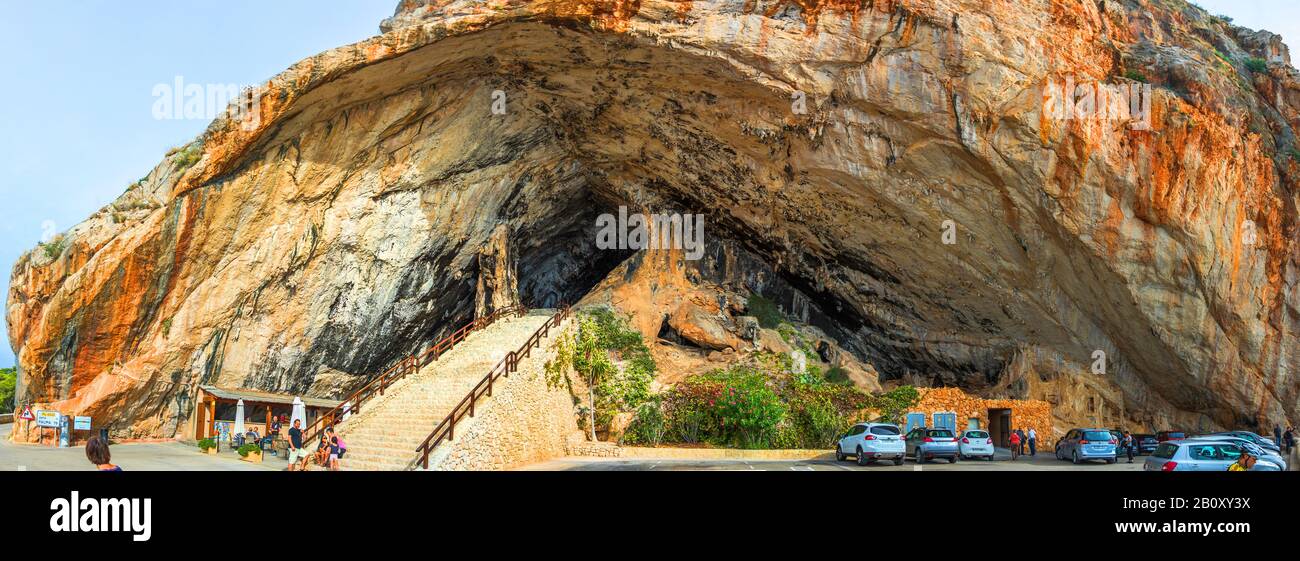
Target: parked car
<point>869,442</point>
<point>1146,443</point>
<point>1079,445</point>
<point>975,444</point>
<point>1256,439</point>
<point>1257,451</point>
<point>928,444</point>
<point>1198,455</point>
<point>1167,435</point>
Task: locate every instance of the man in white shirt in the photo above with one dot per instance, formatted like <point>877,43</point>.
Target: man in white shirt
<point>1033,441</point>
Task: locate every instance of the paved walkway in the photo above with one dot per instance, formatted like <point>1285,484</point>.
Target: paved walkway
<point>1041,462</point>
<point>162,456</point>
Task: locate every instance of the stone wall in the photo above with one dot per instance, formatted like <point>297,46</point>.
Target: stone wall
<point>524,421</point>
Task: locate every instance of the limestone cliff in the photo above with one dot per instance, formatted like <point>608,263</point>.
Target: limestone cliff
<point>888,171</point>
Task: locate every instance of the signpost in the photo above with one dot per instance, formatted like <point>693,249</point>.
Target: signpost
<point>81,423</point>
<point>27,415</point>
<point>48,419</point>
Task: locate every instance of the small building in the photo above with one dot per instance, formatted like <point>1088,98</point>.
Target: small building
<point>956,409</point>
<point>214,406</point>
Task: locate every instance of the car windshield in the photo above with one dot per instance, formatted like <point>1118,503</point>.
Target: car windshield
<point>885,430</point>
<point>1165,451</point>
<point>977,434</point>
<point>939,433</point>
<point>1096,435</point>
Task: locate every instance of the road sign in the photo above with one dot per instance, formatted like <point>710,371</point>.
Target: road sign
<point>47,418</point>
<point>27,414</point>
<point>81,423</point>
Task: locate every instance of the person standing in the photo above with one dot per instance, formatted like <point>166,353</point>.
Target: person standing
<point>1277,436</point>
<point>1033,442</point>
<point>1128,445</point>
<point>1021,434</point>
<point>296,451</point>
<point>1289,437</point>
<point>1015,444</point>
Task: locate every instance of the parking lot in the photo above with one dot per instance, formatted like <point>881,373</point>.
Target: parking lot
<point>1041,462</point>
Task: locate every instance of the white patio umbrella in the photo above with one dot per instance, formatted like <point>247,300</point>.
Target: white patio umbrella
<point>299,413</point>
<point>239,417</point>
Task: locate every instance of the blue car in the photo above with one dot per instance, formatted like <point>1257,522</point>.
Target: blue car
<point>1081,445</point>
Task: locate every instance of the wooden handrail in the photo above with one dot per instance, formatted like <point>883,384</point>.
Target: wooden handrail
<point>446,430</point>
<point>402,368</point>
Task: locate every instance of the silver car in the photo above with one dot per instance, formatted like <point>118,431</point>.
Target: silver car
<point>928,444</point>
<point>1080,445</point>
<point>1198,455</point>
<point>975,444</point>
<point>1261,454</point>
<point>869,442</point>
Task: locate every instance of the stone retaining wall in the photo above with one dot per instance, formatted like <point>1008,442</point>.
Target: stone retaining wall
<point>523,422</point>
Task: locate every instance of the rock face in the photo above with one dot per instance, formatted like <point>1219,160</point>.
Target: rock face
<point>898,174</point>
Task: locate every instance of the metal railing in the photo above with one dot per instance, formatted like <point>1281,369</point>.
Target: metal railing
<point>401,369</point>
<point>446,430</point>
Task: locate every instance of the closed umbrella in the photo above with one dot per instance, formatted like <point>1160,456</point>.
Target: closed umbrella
<point>299,412</point>
<point>239,417</point>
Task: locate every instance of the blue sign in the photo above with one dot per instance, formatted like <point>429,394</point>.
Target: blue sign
<point>81,423</point>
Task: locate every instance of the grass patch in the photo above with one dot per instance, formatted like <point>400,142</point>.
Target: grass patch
<point>1135,76</point>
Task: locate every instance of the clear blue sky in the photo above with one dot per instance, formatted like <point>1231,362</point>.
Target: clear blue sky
<point>76,88</point>
<point>76,92</point>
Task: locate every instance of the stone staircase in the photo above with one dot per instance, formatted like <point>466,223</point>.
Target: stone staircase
<point>384,436</point>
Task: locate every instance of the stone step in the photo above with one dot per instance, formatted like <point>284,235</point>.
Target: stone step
<point>385,435</point>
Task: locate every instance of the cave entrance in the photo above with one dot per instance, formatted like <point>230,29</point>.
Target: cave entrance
<point>1000,427</point>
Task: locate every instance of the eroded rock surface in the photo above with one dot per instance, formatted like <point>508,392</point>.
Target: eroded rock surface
<point>347,226</point>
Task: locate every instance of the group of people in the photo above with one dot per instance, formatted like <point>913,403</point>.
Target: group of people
<point>1019,439</point>
<point>327,452</point>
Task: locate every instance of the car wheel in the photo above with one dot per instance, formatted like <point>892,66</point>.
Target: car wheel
<point>862,458</point>
<point>1074,456</point>
<point>952,460</point>
<point>1110,460</point>
<point>839,454</point>
<point>920,458</point>
<point>898,461</point>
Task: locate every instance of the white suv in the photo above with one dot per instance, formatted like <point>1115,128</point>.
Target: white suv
<point>869,442</point>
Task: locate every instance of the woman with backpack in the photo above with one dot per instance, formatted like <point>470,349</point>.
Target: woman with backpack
<point>1015,445</point>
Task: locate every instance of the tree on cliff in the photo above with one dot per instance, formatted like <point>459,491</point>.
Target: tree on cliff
<point>8,380</point>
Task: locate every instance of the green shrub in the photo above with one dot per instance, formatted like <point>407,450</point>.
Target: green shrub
<point>838,375</point>
<point>602,335</point>
<point>1255,64</point>
<point>1135,76</point>
<point>647,428</point>
<point>247,449</point>
<point>769,316</point>
<point>186,156</point>
<point>895,403</point>
<point>54,248</point>
<point>207,443</point>
<point>8,381</point>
